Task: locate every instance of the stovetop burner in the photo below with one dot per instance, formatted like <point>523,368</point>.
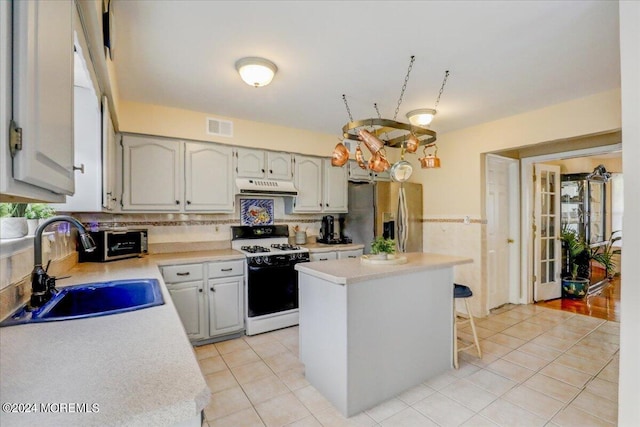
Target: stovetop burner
<point>255,249</point>
<point>285,247</point>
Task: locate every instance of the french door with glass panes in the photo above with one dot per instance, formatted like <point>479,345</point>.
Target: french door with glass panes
<point>546,231</point>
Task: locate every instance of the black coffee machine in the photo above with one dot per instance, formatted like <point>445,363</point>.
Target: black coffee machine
<point>327,230</point>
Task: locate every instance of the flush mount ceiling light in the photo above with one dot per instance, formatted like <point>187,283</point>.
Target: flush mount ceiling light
<point>256,72</point>
<point>378,133</point>
<point>421,116</point>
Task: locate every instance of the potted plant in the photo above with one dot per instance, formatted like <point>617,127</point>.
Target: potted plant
<point>36,212</point>
<point>576,252</point>
<point>13,224</point>
<point>381,248</point>
<point>604,254</point>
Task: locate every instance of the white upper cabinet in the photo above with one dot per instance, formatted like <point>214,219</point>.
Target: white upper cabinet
<point>109,151</point>
<point>279,166</point>
<point>356,173</point>
<point>335,188</point>
<point>308,181</point>
<point>208,183</point>
<point>43,93</point>
<point>254,163</point>
<point>36,49</point>
<point>152,169</point>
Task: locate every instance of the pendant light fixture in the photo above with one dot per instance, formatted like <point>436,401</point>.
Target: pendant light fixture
<point>379,133</point>
<point>256,72</point>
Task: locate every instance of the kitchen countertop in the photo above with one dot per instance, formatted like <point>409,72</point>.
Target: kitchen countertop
<point>323,247</point>
<point>138,367</point>
<point>347,271</point>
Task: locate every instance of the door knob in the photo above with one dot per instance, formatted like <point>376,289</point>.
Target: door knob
<point>510,240</point>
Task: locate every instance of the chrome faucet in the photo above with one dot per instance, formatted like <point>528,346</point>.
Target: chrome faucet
<point>43,287</point>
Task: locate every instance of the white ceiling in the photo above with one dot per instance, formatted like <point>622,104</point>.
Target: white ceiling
<point>504,57</point>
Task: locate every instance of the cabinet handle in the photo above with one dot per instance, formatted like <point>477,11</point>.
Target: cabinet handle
<point>352,256</point>
<point>226,269</point>
<point>183,274</point>
<point>262,170</point>
<point>324,259</point>
<point>188,202</point>
<point>270,170</point>
<point>200,290</point>
<point>320,205</point>
<point>177,202</point>
<point>79,168</point>
<point>327,204</point>
<point>212,289</point>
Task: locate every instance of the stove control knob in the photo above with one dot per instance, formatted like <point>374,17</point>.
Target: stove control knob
<point>257,260</point>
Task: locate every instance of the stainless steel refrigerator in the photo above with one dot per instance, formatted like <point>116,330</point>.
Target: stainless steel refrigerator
<point>375,209</point>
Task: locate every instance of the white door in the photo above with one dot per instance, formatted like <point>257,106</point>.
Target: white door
<point>308,181</point>
<point>250,163</point>
<point>152,169</point>
<point>208,178</point>
<point>188,298</point>
<point>335,188</point>
<point>43,93</point>
<point>500,241</point>
<point>546,231</point>
<point>225,305</point>
<point>279,166</point>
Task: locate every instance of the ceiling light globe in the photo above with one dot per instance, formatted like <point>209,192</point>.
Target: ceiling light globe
<point>256,72</point>
<point>421,116</point>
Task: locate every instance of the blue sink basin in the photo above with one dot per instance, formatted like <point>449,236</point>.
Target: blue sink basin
<point>92,300</point>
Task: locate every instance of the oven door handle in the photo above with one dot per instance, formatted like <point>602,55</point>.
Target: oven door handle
<point>269,267</point>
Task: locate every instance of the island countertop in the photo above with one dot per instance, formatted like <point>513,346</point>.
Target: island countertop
<point>347,271</point>
<point>138,367</point>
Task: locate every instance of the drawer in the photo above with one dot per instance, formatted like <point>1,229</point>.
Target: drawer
<point>355,253</point>
<point>322,256</point>
<point>182,273</point>
<point>226,268</point>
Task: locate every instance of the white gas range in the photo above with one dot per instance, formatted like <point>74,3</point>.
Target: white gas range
<point>271,291</point>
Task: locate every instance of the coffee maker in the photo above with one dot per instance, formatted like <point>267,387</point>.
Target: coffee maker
<point>327,229</point>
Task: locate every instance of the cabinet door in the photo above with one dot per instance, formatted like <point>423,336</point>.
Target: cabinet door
<point>208,178</point>
<point>225,305</point>
<point>43,93</point>
<point>279,166</point>
<point>152,169</point>
<point>109,198</point>
<point>335,188</point>
<point>323,256</point>
<point>381,176</point>
<point>188,297</point>
<point>354,253</point>
<point>308,181</point>
<point>250,163</point>
<point>356,173</point>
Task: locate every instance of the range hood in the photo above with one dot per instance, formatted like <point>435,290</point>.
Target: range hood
<point>269,187</point>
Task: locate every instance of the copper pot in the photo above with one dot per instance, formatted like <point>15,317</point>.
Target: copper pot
<point>360,158</point>
<point>378,162</point>
<point>340,155</point>
<point>430,161</point>
<point>412,144</point>
<point>372,142</point>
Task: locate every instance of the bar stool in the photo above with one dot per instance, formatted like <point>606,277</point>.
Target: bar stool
<point>464,292</point>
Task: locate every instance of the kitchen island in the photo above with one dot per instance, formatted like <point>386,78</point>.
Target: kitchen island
<point>369,332</point>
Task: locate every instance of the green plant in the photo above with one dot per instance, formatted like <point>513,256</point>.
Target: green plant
<point>15,210</point>
<point>39,211</point>
<point>604,254</point>
<point>575,249</point>
<point>383,246</point>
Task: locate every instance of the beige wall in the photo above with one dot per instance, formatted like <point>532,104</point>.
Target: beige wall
<point>456,190</point>
<point>177,123</point>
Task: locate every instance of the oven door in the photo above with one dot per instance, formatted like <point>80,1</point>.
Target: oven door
<point>271,289</point>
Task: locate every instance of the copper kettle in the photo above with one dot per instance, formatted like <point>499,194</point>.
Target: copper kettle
<point>430,161</point>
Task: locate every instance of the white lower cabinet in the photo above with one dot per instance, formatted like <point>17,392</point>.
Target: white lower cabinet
<point>208,311</point>
<point>354,253</point>
<point>323,256</point>
<point>189,301</point>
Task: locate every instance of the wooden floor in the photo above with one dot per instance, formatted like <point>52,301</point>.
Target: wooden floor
<point>606,305</point>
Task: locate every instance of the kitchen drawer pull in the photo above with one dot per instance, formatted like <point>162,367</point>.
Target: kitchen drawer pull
<point>352,256</point>
<point>226,269</point>
<point>183,274</point>
<point>212,289</point>
<point>324,259</point>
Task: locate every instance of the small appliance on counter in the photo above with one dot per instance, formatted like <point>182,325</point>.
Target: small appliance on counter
<point>327,232</point>
<point>116,243</point>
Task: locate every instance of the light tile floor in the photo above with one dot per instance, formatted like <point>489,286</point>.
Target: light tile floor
<point>540,367</point>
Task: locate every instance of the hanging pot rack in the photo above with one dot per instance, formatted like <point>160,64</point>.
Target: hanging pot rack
<point>378,127</point>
